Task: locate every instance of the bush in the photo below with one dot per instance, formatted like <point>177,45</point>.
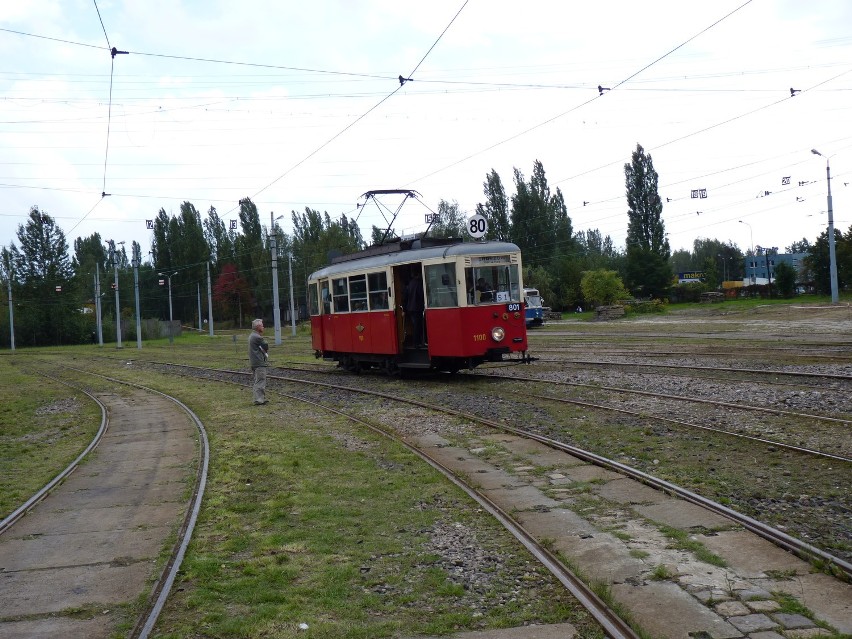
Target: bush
<point>644,307</point>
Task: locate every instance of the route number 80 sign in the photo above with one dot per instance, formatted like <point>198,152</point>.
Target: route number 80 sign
<point>477,226</point>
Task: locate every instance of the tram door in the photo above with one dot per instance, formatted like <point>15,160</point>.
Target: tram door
<point>400,279</point>
<point>402,275</point>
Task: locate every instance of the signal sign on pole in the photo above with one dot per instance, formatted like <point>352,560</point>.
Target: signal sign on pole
<point>477,226</point>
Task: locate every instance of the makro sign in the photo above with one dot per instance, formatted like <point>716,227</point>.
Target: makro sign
<point>690,276</point>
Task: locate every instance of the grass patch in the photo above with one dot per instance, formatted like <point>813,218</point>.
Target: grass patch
<point>661,573</point>
<point>681,540</point>
<point>296,527</point>
<point>40,432</point>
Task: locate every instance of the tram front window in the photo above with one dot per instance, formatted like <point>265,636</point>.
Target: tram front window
<point>498,283</point>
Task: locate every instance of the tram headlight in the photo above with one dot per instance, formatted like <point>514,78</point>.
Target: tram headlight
<point>497,334</point>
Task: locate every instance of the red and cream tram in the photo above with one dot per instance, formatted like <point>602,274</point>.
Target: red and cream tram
<point>471,295</point>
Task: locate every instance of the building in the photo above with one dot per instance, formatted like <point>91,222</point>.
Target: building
<point>760,269</point>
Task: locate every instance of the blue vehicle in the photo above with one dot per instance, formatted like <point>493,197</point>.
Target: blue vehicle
<point>534,307</point>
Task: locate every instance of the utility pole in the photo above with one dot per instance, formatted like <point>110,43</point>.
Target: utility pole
<point>292,310</point>
<point>99,320</point>
<point>209,302</point>
<point>11,313</point>
<point>832,257</point>
<point>276,310</point>
<point>117,304</point>
<point>136,261</point>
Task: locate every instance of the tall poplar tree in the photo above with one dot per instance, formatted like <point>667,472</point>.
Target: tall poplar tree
<point>648,251</point>
<point>496,208</point>
<point>540,223</point>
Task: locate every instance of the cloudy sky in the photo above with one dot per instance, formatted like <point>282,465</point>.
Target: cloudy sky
<point>300,105</point>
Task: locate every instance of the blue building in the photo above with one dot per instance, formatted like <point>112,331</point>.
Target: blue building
<point>759,269</point>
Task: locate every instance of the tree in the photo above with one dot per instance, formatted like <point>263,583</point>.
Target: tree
<point>681,261</point>
<point>785,279</point>
<point>818,262</point>
<point>496,208</point>
<point>220,239</point>
<point>648,249</point>
<point>540,225</point>
<point>42,270</point>
<point>253,259</point>
<point>231,295</point>
<point>450,221</point>
<point>602,287</point>
<point>802,246</point>
<point>316,237</point>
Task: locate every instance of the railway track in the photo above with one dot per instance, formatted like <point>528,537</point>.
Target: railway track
<point>87,536</point>
<point>804,417</point>
<point>777,537</point>
<point>719,369</point>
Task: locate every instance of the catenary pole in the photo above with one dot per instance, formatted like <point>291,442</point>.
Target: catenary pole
<point>292,310</point>
<point>11,314</point>
<point>832,256</point>
<point>276,310</point>
<point>136,260</point>
<point>209,302</point>
<point>99,320</point>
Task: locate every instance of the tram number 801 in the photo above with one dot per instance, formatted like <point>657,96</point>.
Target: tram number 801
<point>513,307</point>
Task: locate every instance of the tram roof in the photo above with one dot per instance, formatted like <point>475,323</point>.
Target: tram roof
<point>417,253</point>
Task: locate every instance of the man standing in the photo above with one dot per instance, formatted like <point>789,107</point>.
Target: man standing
<point>258,357</point>
<point>412,304</point>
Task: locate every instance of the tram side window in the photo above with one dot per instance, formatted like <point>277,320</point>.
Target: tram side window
<point>440,285</point>
<point>325,294</point>
<point>358,293</point>
<point>313,299</point>
<point>378,287</point>
<point>340,295</point>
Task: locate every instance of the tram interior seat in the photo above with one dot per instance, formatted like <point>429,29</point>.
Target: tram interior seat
<point>443,298</point>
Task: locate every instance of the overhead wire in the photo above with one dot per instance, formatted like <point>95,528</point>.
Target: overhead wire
<point>371,76</point>
<point>584,103</point>
<point>402,82</point>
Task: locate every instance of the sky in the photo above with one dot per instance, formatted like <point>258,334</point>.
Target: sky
<point>298,104</point>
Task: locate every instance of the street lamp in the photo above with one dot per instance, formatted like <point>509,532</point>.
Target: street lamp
<point>276,311</point>
<point>831,255</point>
<point>753,257</point>
<point>168,276</point>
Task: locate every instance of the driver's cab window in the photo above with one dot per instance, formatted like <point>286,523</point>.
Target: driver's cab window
<point>497,283</point>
